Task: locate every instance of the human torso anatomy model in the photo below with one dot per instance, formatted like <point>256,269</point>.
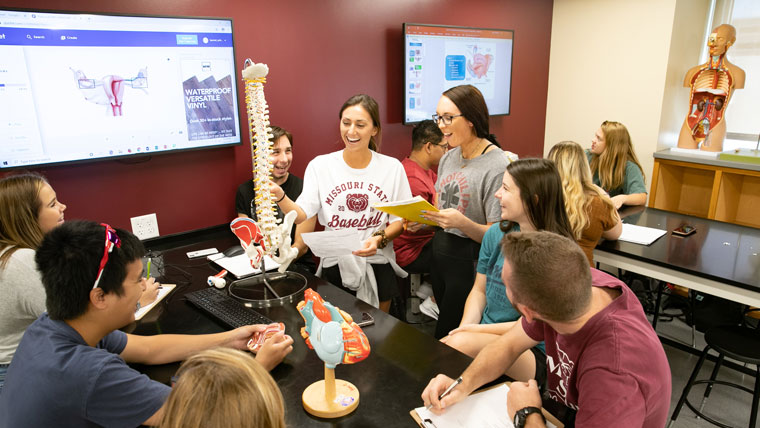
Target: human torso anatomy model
<point>711,86</point>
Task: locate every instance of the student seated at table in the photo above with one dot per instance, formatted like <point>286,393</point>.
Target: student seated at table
<point>414,247</point>
<point>615,167</point>
<point>340,189</point>
<point>604,360</point>
<point>591,212</point>
<point>531,199</point>
<point>29,208</point>
<point>70,367</point>
<point>223,388</point>
<point>282,158</point>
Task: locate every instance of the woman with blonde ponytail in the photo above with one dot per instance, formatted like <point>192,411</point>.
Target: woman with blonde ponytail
<point>591,213</point>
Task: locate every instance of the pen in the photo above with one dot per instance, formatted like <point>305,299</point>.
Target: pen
<point>446,392</point>
<point>148,277</point>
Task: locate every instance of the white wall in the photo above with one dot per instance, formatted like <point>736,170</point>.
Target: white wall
<point>622,60</point>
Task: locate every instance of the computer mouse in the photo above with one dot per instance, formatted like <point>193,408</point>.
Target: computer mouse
<point>233,251</point>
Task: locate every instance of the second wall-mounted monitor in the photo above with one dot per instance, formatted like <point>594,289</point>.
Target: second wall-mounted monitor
<point>439,57</point>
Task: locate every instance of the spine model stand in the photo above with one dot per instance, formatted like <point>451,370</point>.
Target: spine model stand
<point>265,235</point>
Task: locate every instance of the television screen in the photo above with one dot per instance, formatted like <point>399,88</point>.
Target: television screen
<point>438,57</point>
<point>85,86</point>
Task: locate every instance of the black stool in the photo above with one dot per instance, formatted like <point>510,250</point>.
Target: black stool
<point>737,342</point>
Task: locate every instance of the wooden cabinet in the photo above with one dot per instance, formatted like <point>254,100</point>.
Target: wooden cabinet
<point>708,188</point>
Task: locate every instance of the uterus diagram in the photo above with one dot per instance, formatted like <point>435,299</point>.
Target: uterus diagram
<point>479,64</point>
<point>109,89</point>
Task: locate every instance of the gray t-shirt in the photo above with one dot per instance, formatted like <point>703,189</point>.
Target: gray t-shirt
<point>23,300</point>
<point>469,185</point>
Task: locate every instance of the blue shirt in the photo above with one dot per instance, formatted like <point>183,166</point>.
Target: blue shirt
<point>56,379</point>
<point>490,262</point>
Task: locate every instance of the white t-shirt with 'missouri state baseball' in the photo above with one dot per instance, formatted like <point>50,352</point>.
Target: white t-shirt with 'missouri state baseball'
<point>342,198</point>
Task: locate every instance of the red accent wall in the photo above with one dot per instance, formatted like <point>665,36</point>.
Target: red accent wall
<point>319,52</point>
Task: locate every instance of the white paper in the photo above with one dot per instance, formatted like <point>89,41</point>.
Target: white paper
<point>640,234</point>
<point>333,243</point>
<point>487,409</point>
<point>162,292</point>
<point>240,265</point>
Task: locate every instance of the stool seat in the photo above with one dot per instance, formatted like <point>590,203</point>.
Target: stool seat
<point>737,342</point>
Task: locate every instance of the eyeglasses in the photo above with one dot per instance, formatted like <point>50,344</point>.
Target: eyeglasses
<point>444,146</point>
<point>112,239</point>
<point>446,118</point>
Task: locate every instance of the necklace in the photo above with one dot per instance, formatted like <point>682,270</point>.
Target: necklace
<point>467,159</point>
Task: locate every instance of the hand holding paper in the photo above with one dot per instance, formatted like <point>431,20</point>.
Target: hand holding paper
<point>333,243</point>
<point>410,209</point>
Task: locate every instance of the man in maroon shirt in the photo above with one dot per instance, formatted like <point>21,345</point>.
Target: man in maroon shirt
<point>604,360</point>
<point>412,247</point>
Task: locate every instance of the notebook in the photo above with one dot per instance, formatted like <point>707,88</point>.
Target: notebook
<point>240,265</point>
<point>640,234</point>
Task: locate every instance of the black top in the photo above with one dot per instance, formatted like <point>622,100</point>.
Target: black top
<point>245,204</point>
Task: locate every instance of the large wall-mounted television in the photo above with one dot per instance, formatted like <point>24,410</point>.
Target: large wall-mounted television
<point>438,57</point>
<point>77,86</point>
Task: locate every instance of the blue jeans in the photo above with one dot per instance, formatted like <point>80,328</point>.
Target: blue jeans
<point>3,370</point>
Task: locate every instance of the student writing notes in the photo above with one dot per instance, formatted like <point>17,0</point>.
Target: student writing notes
<point>605,363</point>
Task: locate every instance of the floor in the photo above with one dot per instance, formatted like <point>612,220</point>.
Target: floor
<point>727,405</point>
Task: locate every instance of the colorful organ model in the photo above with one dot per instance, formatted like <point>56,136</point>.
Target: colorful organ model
<point>337,339</point>
<point>264,235</point>
<point>711,86</point>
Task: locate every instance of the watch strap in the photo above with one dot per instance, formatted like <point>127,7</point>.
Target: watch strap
<point>521,416</point>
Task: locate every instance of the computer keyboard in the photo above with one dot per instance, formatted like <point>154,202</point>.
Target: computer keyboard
<point>224,308</point>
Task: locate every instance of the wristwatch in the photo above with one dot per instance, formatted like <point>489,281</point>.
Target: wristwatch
<point>522,415</point>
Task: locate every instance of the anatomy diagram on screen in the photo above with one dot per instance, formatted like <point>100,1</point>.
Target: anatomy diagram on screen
<point>109,89</point>
<point>478,63</point>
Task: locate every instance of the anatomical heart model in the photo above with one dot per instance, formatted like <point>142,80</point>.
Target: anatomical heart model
<point>337,339</point>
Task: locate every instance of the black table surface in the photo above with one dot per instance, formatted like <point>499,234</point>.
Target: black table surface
<point>401,363</point>
<point>719,251</point>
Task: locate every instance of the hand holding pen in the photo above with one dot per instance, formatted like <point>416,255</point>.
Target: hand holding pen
<point>432,395</point>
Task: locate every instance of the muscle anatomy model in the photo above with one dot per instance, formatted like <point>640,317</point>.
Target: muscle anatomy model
<point>712,85</point>
<point>265,235</point>
<point>109,90</point>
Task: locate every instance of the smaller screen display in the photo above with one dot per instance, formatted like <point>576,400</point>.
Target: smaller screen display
<point>437,58</point>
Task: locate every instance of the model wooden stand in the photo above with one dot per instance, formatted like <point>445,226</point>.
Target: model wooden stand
<point>330,398</point>
<point>701,188</point>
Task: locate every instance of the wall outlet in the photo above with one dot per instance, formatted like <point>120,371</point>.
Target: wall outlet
<point>145,226</point>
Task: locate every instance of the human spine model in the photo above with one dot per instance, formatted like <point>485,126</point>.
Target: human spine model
<point>271,238</point>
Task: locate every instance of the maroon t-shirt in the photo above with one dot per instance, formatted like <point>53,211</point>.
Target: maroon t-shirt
<point>422,183</point>
<point>613,371</point>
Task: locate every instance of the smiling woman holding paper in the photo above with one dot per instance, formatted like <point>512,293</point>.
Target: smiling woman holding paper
<point>468,176</point>
<point>341,188</point>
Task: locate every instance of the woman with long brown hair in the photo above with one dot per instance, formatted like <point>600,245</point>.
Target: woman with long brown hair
<point>615,167</point>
